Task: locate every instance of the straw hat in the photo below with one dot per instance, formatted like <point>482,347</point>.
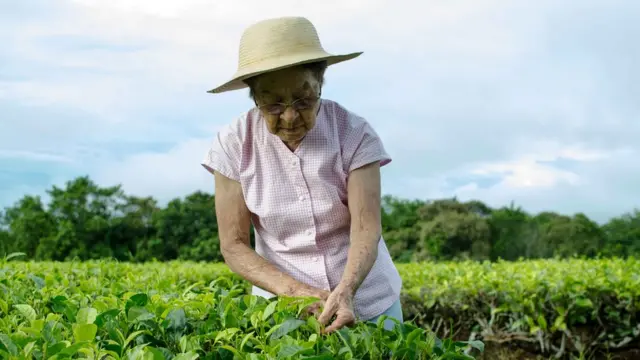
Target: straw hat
<point>275,44</point>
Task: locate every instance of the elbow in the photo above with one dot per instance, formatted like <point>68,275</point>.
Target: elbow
<point>368,231</point>
<point>368,239</point>
<point>229,252</point>
<point>226,257</point>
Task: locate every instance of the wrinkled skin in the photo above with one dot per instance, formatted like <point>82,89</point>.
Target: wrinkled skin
<point>286,86</point>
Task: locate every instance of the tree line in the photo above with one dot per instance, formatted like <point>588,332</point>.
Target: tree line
<point>86,221</point>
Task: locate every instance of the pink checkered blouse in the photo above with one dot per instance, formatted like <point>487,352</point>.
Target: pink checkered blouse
<point>298,200</point>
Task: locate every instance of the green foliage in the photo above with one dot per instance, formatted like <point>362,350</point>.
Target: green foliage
<point>179,310</point>
<point>554,307</point>
<point>449,229</point>
<point>85,221</point>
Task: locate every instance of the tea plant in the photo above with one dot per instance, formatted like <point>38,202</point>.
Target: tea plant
<point>181,311</point>
<point>582,307</point>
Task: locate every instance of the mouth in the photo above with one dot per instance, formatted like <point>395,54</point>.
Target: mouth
<point>291,129</point>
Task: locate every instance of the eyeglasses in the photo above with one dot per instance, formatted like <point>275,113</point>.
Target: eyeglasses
<point>298,105</point>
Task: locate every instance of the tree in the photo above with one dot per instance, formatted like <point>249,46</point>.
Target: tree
<point>622,235</point>
<point>28,222</point>
<point>512,234</point>
<point>400,226</point>
<point>566,236</point>
<point>86,221</point>
<point>454,230</point>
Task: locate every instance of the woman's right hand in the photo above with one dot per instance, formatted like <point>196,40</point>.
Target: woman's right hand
<point>310,291</point>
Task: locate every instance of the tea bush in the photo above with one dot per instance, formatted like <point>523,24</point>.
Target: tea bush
<point>181,311</point>
<point>553,307</point>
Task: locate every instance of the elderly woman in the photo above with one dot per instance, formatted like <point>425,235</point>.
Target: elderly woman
<point>305,171</point>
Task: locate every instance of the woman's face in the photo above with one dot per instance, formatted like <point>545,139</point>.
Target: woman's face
<point>288,100</point>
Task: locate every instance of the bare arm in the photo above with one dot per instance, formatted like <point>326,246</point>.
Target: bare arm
<point>364,205</point>
<point>234,223</point>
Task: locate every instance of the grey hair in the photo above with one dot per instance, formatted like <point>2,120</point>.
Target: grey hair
<point>317,68</point>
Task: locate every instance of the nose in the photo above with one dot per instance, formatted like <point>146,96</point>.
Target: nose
<point>289,116</point>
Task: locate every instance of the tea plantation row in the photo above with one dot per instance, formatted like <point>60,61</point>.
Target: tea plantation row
<point>182,310</point>
<point>583,308</point>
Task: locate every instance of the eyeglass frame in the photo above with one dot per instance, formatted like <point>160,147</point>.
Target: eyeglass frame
<point>314,99</point>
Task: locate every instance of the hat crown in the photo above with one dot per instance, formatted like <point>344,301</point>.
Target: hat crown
<point>277,37</point>
<point>277,43</point>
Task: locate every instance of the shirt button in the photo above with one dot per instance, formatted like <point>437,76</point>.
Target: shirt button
<point>315,259</point>
<point>308,232</point>
<point>301,197</point>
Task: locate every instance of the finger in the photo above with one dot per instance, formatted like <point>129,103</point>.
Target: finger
<point>313,309</point>
<point>340,322</point>
<point>329,311</point>
<point>304,315</point>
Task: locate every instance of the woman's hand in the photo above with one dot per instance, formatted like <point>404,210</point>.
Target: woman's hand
<point>304,290</point>
<point>340,304</point>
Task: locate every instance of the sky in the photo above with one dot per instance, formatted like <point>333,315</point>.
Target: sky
<point>531,102</point>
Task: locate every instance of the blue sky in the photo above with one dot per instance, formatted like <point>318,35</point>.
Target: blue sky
<point>531,102</point>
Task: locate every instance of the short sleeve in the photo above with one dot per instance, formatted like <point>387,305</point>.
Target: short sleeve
<point>363,146</point>
<point>224,154</point>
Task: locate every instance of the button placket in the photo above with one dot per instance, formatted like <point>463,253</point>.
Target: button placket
<point>301,188</point>
<point>304,203</point>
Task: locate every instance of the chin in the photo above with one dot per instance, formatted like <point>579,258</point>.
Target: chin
<point>295,137</point>
<point>292,136</point>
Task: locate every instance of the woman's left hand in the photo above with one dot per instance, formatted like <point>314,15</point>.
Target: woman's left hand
<point>340,304</point>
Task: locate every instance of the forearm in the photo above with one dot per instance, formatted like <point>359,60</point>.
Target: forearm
<point>360,259</point>
<point>366,228</point>
<point>244,261</point>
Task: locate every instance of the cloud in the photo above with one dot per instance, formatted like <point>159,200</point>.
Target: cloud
<point>567,180</point>
<point>600,187</point>
<point>166,175</point>
<point>534,102</point>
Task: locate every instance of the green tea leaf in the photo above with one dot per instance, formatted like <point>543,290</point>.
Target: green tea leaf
<point>584,303</point>
<point>176,320</point>
<point>137,314</point>
<point>86,316</point>
<point>191,355</point>
<point>27,311</point>
<point>285,328</point>
<point>289,350</point>
<point>476,344</point>
<point>8,345</point>
<point>269,310</point>
<point>85,332</point>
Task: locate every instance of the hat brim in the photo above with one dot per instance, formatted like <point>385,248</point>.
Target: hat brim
<point>237,83</point>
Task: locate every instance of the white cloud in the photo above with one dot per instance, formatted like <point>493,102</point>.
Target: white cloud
<point>169,46</point>
<point>166,175</point>
<point>529,174</point>
<point>599,185</point>
<point>460,89</point>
